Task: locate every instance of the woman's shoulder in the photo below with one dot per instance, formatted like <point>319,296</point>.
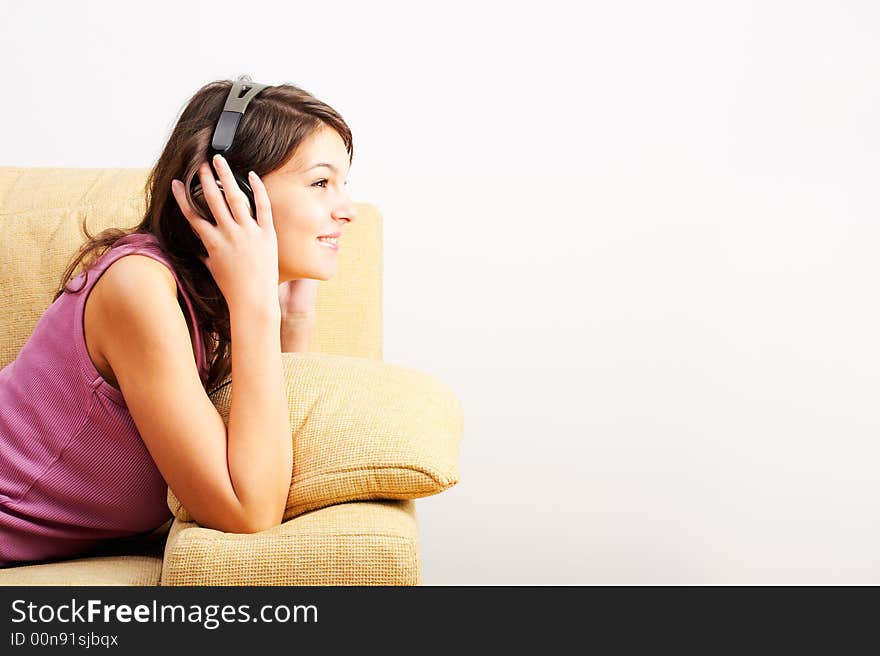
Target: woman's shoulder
<point>134,289</point>
<point>136,276</point>
<point>135,256</point>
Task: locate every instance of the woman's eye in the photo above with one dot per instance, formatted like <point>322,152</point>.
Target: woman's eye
<point>325,181</point>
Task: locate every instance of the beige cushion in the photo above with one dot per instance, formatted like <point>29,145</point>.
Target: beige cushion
<point>358,543</point>
<point>362,429</point>
<point>143,570</point>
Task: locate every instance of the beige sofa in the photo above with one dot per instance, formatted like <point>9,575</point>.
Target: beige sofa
<point>369,437</point>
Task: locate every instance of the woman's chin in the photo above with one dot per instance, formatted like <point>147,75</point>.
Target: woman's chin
<point>322,276</point>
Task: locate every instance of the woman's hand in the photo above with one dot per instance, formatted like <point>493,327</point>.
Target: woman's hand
<point>242,251</point>
<point>297,299</point>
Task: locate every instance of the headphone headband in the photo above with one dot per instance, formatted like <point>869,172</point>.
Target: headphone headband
<point>243,90</point>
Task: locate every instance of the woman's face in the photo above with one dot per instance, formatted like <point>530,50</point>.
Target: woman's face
<point>309,201</point>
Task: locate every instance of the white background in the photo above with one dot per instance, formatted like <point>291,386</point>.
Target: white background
<point>637,239</point>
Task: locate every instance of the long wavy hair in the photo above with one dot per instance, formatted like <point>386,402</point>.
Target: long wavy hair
<point>276,123</point>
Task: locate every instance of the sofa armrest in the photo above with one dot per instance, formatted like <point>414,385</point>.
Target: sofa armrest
<point>362,429</point>
<point>357,543</point>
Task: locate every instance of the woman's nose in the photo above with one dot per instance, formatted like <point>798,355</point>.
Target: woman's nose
<point>347,212</point>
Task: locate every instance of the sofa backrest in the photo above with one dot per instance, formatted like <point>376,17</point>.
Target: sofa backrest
<point>41,217</point>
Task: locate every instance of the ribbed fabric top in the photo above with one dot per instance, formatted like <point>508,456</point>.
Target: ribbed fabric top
<point>74,471</point>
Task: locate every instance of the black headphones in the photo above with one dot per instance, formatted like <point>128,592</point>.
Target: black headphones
<point>240,95</point>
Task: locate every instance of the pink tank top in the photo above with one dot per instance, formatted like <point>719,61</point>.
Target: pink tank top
<point>74,472</point>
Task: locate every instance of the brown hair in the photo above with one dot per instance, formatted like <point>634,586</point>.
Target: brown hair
<point>276,122</point>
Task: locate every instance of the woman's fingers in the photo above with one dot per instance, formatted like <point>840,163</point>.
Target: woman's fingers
<point>261,200</point>
<point>199,225</point>
<point>236,205</point>
<point>214,197</point>
<point>228,205</point>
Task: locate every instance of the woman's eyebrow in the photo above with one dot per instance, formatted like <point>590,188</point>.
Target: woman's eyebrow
<point>329,166</point>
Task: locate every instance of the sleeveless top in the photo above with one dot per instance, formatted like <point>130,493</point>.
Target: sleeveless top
<point>74,471</point>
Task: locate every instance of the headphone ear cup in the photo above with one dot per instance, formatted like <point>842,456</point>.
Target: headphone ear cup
<point>197,194</point>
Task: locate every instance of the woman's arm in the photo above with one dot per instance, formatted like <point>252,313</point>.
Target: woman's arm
<point>260,447</point>
<point>234,478</point>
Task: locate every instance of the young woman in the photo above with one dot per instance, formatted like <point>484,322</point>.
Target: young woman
<point>107,403</point>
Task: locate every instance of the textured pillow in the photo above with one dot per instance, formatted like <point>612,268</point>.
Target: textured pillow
<point>361,429</point>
